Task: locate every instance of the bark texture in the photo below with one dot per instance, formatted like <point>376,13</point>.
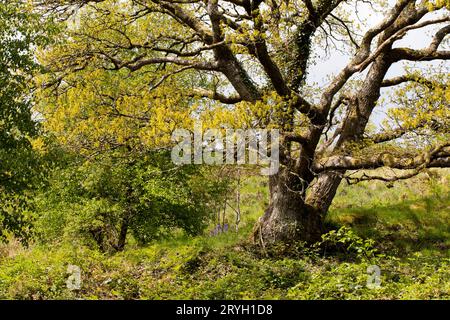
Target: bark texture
<point>288,218</point>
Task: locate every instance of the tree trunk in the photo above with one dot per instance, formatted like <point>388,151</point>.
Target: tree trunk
<point>323,192</point>
<point>298,205</point>
<point>288,218</point>
<point>325,187</point>
<point>123,233</point>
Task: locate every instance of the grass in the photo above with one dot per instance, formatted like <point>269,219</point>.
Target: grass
<point>406,217</point>
<point>408,222</point>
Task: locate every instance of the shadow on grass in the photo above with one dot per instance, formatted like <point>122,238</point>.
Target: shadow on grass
<point>403,227</point>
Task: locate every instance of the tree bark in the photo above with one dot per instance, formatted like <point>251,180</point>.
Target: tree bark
<point>325,187</point>
<point>298,205</point>
<point>323,192</point>
<point>288,218</point>
<point>123,232</point>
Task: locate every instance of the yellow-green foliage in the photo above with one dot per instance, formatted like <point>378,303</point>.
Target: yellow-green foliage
<point>228,267</point>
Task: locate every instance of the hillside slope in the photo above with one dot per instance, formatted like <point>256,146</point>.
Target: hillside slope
<point>403,228</point>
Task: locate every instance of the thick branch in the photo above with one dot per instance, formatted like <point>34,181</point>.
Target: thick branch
<point>192,22</point>
<point>407,78</point>
<point>295,137</point>
<point>427,54</point>
<point>437,157</point>
<point>398,54</point>
<point>140,62</point>
<point>214,95</point>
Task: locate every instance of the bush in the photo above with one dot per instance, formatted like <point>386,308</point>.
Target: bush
<point>101,202</point>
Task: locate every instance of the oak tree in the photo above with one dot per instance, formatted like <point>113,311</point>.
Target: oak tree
<point>249,60</point>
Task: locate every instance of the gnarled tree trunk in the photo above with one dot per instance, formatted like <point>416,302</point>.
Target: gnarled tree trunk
<point>299,204</point>
<point>288,217</point>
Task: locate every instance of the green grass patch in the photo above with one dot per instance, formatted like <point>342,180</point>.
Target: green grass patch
<point>408,222</point>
